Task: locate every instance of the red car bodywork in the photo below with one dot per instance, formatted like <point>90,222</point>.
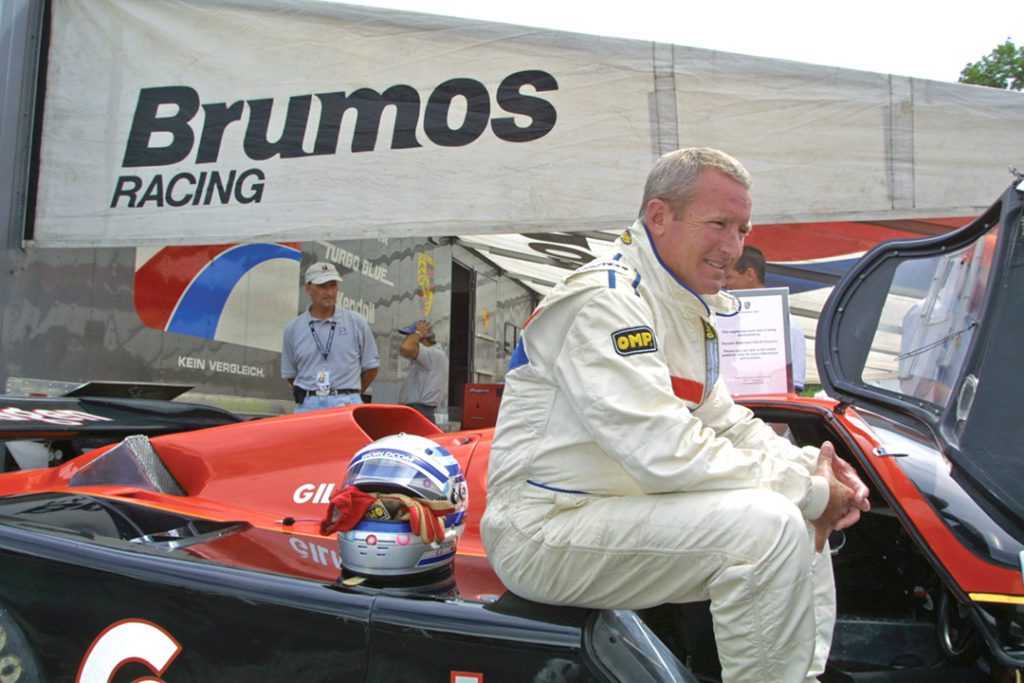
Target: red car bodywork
<point>277,475</point>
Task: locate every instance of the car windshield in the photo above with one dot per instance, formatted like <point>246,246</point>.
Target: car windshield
<point>927,323</point>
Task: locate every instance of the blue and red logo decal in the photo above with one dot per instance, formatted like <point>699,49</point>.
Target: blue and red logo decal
<point>186,289</point>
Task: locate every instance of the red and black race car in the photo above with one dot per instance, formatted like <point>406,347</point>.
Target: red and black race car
<point>198,556</point>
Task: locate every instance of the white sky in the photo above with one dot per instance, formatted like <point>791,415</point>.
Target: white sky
<point>932,40</point>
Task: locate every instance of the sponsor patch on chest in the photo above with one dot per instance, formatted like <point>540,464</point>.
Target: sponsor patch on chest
<point>634,340</point>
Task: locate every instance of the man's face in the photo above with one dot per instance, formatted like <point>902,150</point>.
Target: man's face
<point>701,244</point>
<point>323,296</point>
<point>747,279</point>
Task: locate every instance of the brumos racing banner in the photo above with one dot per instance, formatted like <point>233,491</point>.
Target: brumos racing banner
<point>207,122</point>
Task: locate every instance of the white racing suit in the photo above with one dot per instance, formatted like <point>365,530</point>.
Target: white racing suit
<point>623,476</point>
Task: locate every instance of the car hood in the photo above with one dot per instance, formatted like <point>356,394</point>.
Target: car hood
<point>927,332</point>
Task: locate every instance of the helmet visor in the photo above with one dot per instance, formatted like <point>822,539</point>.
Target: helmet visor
<point>397,470</point>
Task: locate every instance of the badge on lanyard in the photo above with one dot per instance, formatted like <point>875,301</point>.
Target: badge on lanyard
<point>323,382</point>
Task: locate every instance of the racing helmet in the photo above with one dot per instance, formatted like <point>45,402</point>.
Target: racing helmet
<point>409,465</point>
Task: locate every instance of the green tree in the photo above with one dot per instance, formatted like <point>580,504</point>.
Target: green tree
<point>1002,68</point>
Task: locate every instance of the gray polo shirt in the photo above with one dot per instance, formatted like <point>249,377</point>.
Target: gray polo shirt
<point>427,381</point>
<point>352,350</point>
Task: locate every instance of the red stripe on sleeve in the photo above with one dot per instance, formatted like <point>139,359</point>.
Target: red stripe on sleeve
<point>688,389</point>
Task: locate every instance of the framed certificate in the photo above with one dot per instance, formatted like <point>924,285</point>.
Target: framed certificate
<point>754,344</point>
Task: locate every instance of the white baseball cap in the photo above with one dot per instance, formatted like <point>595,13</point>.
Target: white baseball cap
<point>320,273</point>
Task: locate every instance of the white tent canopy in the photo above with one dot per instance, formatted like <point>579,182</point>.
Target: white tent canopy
<point>184,122</point>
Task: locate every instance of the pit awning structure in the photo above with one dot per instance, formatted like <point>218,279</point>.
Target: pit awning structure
<point>221,121</point>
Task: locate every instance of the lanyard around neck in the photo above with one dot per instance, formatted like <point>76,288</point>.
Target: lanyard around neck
<point>330,339</point>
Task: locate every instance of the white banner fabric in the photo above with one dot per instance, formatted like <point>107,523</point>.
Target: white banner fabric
<point>216,121</point>
<point>208,122</point>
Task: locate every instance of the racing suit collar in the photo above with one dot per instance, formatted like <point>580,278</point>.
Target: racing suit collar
<point>636,241</point>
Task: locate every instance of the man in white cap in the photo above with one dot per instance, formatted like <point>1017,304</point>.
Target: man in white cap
<point>329,355</point>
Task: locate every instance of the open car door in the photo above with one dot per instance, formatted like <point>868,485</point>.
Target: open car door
<point>922,339</point>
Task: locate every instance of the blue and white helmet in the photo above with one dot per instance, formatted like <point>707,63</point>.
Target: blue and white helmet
<point>414,466</point>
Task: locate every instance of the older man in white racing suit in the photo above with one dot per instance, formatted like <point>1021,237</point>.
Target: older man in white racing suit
<point>623,476</point>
